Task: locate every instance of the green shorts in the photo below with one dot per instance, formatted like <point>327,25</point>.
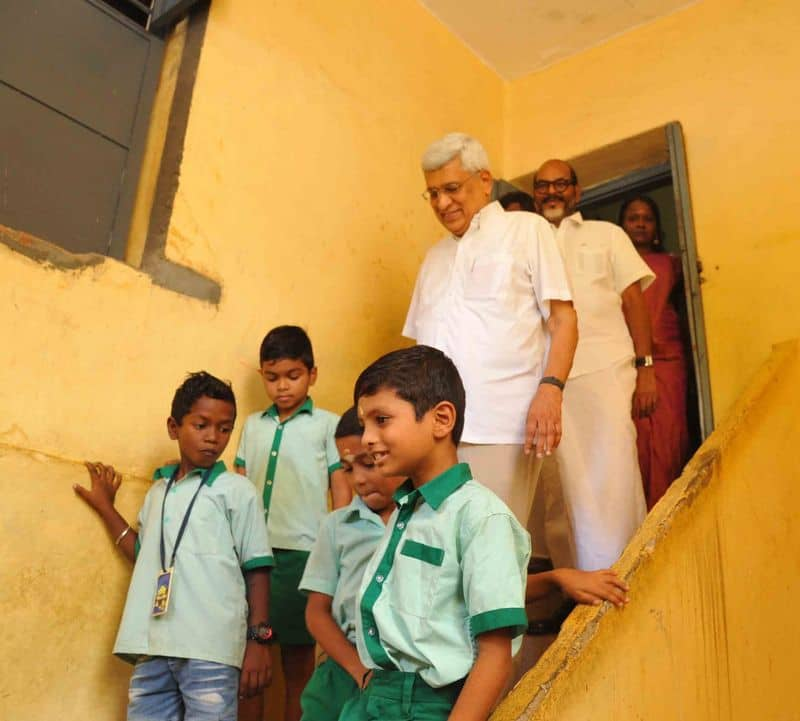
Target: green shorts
<point>326,692</point>
<point>287,605</point>
<point>398,696</point>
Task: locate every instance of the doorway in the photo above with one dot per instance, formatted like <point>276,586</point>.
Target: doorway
<point>654,163</point>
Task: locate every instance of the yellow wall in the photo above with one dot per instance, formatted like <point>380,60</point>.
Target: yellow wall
<point>727,70</point>
<point>299,193</point>
<point>711,630</point>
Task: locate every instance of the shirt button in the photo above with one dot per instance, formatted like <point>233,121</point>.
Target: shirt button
<point>401,525</point>
<point>379,579</point>
<point>269,482</point>
<point>371,632</point>
<point>280,428</point>
<point>274,453</point>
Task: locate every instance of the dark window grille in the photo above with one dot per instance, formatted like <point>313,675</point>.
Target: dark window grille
<point>137,10</point>
<point>157,16</point>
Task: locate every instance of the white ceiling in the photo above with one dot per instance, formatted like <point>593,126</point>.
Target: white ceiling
<point>516,37</point>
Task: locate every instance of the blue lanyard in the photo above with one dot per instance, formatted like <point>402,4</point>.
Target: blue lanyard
<point>185,520</point>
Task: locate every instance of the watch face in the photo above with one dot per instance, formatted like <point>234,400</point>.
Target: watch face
<point>261,633</point>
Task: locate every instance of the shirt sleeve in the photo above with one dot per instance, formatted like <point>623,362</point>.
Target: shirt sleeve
<point>546,266</point>
<point>248,529</point>
<point>322,568</point>
<point>331,452</point>
<point>627,264</point>
<point>495,564</point>
<point>411,329</point>
<point>241,452</point>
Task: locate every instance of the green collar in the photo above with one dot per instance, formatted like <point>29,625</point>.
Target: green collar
<point>166,472</point>
<point>437,489</point>
<point>360,510</point>
<point>307,407</point>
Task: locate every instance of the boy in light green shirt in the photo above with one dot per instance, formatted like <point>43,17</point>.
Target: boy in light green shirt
<point>443,597</point>
<point>288,451</point>
<point>197,605</point>
<point>347,538</point>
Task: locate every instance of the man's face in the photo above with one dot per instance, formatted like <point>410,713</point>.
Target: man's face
<point>457,195</point>
<point>549,201</point>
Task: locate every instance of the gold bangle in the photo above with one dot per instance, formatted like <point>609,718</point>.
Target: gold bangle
<point>122,535</point>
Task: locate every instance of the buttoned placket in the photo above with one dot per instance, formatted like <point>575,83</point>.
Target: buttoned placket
<point>372,637</point>
<point>272,463</point>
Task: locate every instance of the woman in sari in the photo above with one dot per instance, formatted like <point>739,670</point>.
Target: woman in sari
<point>662,436</point>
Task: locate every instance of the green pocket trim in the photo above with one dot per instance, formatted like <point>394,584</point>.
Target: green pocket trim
<point>422,552</point>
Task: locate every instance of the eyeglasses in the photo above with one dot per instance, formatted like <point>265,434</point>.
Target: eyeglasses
<point>449,189</point>
<point>560,184</point>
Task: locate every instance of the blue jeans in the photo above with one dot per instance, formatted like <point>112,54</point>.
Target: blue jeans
<point>182,689</point>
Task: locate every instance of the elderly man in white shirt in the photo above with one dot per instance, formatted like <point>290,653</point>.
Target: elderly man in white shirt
<point>597,463</point>
<point>493,295</point>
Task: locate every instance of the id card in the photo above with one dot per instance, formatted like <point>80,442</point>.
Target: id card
<point>163,584</point>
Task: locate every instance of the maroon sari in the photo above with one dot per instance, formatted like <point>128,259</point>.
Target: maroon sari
<point>662,439</point>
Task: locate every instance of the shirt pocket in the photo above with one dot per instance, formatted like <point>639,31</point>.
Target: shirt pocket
<point>488,277</point>
<point>592,264</point>
<point>420,567</point>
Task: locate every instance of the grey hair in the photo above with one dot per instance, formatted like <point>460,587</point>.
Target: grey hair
<point>471,153</point>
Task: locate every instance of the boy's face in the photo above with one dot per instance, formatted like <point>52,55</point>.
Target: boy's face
<point>366,480</point>
<point>287,381</point>
<point>204,431</point>
<point>399,443</point>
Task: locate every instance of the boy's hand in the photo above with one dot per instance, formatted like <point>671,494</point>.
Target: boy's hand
<point>105,482</point>
<point>592,587</point>
<point>256,670</point>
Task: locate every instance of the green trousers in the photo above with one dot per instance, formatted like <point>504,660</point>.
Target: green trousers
<point>326,692</point>
<point>398,696</point>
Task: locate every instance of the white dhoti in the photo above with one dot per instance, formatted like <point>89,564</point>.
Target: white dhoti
<point>598,465</point>
<point>507,471</point>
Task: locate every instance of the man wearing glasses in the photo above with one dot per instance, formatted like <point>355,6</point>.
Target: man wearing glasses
<point>494,296</point>
<point>597,463</point>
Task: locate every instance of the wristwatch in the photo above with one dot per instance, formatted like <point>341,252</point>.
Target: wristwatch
<point>644,361</point>
<point>262,633</point>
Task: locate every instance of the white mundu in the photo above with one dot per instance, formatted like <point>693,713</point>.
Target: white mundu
<point>483,299</point>
<point>597,460</point>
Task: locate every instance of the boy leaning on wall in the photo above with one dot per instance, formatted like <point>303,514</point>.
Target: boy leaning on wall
<point>288,451</point>
<point>443,597</point>
<point>197,605</point>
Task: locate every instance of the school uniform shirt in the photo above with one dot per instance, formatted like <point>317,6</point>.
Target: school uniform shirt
<point>290,463</point>
<point>453,566</point>
<point>225,536</point>
<point>484,299</point>
<point>601,262</point>
<point>347,539</point>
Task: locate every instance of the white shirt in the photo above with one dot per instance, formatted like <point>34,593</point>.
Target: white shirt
<point>601,262</point>
<point>483,299</point>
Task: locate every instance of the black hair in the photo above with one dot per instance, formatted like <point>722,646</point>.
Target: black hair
<point>287,341</point>
<point>349,425</point>
<point>421,375</point>
<point>524,199</point>
<point>650,203</point>
<point>196,386</point>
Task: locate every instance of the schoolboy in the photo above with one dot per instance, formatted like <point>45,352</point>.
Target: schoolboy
<point>444,594</point>
<point>347,538</point>
<point>197,605</point>
<point>288,451</point>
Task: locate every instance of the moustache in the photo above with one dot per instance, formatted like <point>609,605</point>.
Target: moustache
<point>558,198</point>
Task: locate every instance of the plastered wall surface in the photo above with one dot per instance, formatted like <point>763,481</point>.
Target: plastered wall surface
<point>299,194</point>
<point>726,70</point>
<point>711,631</point>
